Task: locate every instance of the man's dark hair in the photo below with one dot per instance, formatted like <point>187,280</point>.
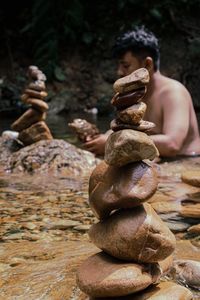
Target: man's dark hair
<point>141,42</point>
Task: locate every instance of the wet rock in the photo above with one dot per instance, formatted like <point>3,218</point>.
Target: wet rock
<point>132,114</point>
<point>34,133</point>
<point>134,81</point>
<point>55,156</point>
<point>187,272</point>
<point>126,146</point>
<point>191,211</point>
<point>161,291</point>
<point>104,276</point>
<point>30,117</point>
<point>194,229</point>
<point>84,129</point>
<point>144,126</point>
<point>191,177</point>
<point>112,188</point>
<point>136,234</point>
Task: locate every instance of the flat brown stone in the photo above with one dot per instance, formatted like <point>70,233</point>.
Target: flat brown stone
<point>111,188</point>
<point>136,234</point>
<point>38,104</point>
<point>36,132</point>
<point>135,80</point>
<point>144,126</point>
<point>194,229</point>
<point>126,146</point>
<point>104,276</point>
<point>162,291</point>
<point>191,177</point>
<point>30,117</point>
<point>191,211</point>
<point>123,101</point>
<point>133,114</point>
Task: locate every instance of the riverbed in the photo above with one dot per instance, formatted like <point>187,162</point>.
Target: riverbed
<point>45,220</point>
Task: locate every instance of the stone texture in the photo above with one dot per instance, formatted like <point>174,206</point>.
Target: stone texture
<point>191,211</point>
<point>133,114</point>
<point>144,126</point>
<point>194,229</point>
<point>136,234</point>
<point>52,156</point>
<point>111,188</point>
<point>126,146</point>
<point>36,132</point>
<point>187,272</point>
<point>123,101</point>
<point>28,118</point>
<point>162,291</point>
<point>38,104</point>
<point>84,129</point>
<point>135,80</point>
<point>191,177</point>
<point>104,276</point>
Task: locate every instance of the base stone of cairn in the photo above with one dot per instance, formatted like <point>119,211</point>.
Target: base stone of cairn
<point>136,245</point>
<point>31,125</point>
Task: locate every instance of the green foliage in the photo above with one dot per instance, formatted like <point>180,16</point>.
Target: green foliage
<point>51,27</point>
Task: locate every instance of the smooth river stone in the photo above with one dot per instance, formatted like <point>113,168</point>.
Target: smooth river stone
<point>132,114</point>
<point>28,118</point>
<point>123,101</point>
<point>126,146</point>
<point>187,272</point>
<point>111,188</point>
<point>136,234</point>
<point>131,82</point>
<point>38,104</point>
<point>144,126</point>
<point>104,276</point>
<point>191,177</point>
<point>165,290</point>
<point>37,132</point>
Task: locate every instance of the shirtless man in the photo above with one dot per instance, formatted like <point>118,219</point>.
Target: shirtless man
<point>169,104</point>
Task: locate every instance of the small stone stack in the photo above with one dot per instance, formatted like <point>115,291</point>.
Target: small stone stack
<point>31,125</point>
<point>136,245</point>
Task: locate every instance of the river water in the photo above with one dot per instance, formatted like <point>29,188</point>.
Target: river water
<point>44,222</point>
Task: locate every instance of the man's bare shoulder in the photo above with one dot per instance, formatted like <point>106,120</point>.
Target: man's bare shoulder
<point>169,87</point>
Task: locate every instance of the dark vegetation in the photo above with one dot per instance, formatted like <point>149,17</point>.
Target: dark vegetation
<point>71,42</point>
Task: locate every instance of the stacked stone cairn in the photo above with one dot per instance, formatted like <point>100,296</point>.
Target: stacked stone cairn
<point>136,245</point>
<point>31,125</point>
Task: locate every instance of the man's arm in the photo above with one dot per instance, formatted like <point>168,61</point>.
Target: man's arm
<point>175,114</point>
<point>97,145</point>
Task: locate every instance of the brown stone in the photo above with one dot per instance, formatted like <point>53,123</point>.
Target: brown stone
<point>111,188</point>
<point>126,146</point>
<point>135,80</point>
<point>39,86</point>
<point>187,272</point>
<point>191,211</point>
<point>123,101</point>
<point>104,276</point>
<point>36,132</point>
<point>163,291</point>
<point>136,234</point>
<point>133,114</point>
<point>194,229</point>
<point>191,177</point>
<point>144,126</point>
<point>38,104</point>
<point>84,129</point>
<point>36,94</point>
<point>30,117</point>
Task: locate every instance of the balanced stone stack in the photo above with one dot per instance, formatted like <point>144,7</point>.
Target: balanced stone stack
<point>136,245</point>
<point>31,125</point>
